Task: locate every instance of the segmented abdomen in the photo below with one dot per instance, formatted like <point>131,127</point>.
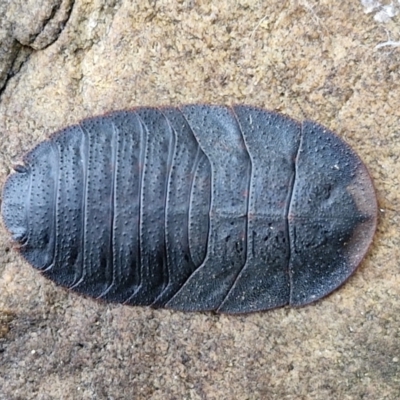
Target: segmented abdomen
<point>197,208</point>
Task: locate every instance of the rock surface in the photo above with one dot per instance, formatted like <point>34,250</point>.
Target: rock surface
<point>61,61</point>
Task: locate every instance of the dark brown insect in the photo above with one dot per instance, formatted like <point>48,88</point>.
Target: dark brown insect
<point>193,208</point>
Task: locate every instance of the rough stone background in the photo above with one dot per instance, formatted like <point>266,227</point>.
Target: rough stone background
<point>331,61</point>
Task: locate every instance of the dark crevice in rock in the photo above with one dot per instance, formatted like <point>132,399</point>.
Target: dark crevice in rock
<point>17,62</point>
<point>53,25</point>
<point>14,52</point>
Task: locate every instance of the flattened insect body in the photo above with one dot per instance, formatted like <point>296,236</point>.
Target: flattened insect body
<point>193,208</point>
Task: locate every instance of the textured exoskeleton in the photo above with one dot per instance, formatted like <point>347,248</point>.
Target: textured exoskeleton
<point>193,208</point>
